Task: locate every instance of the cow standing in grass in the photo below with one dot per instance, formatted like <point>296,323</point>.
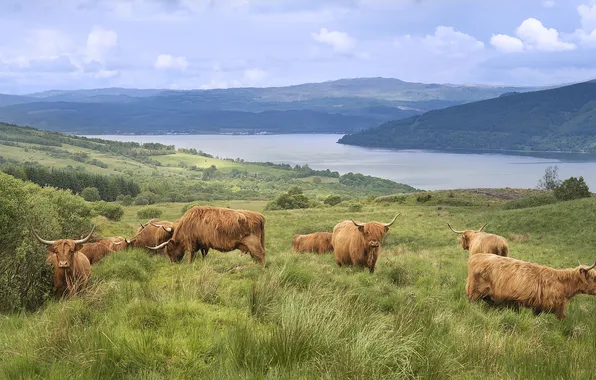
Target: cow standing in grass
<point>71,268</point>
<point>359,243</point>
<point>223,229</point>
<point>317,242</point>
<point>477,241</point>
<point>505,280</point>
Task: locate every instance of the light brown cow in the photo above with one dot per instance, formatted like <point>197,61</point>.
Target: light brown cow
<point>317,242</point>
<point>505,280</point>
<point>223,229</point>
<point>116,243</point>
<point>71,268</point>
<point>95,252</point>
<point>477,241</point>
<point>359,243</point>
<point>151,234</point>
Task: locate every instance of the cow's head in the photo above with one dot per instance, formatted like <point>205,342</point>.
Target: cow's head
<point>587,277</point>
<point>63,248</point>
<point>167,226</point>
<point>146,233</point>
<point>467,236</point>
<point>373,234</point>
<point>171,248</point>
<point>118,243</point>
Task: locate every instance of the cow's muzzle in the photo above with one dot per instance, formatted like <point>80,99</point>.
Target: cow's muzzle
<point>63,264</point>
<point>373,244</point>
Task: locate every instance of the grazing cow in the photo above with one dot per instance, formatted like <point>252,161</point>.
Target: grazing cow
<point>95,252</point>
<point>359,243</point>
<point>223,229</point>
<point>71,268</point>
<point>318,242</point>
<point>151,234</point>
<point>116,243</point>
<point>505,280</point>
<point>482,242</point>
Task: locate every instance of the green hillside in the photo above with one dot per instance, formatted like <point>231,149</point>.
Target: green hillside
<point>560,119</point>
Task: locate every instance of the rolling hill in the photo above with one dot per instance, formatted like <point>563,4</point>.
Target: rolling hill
<point>341,106</point>
<point>558,119</point>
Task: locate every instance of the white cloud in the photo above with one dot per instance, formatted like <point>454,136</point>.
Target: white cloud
<point>548,4</point>
<point>506,44</point>
<point>587,14</point>
<point>166,61</point>
<point>48,43</point>
<point>445,41</point>
<point>99,42</point>
<point>532,35</point>
<point>340,42</point>
<point>254,76</point>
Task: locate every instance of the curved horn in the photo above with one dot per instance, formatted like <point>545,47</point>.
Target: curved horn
<point>159,246</point>
<point>84,240</point>
<point>457,232</point>
<point>156,225</point>
<point>167,229</point>
<point>481,228</point>
<point>47,242</point>
<point>393,221</point>
<point>117,242</point>
<point>357,224</point>
<point>128,241</point>
<point>592,267</point>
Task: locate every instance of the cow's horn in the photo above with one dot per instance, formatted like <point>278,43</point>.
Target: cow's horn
<point>481,228</point>
<point>47,242</point>
<point>156,225</point>
<point>393,221</point>
<point>457,232</point>
<point>592,267</point>
<point>128,241</point>
<point>84,240</point>
<point>159,246</point>
<point>167,229</point>
<point>357,224</point>
<point>117,242</point>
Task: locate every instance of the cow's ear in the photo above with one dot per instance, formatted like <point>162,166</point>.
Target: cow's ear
<point>583,275</point>
<point>361,229</point>
<point>78,247</point>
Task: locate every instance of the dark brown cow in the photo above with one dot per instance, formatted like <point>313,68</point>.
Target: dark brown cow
<point>151,234</point>
<point>116,243</point>
<point>95,252</point>
<point>505,280</point>
<point>476,241</point>
<point>71,268</point>
<point>359,243</point>
<point>223,229</point>
<point>317,242</point>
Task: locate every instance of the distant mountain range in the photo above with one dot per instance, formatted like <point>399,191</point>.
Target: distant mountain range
<point>341,106</point>
<point>556,119</point>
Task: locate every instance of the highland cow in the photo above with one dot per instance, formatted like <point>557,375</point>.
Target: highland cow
<point>95,252</point>
<point>151,234</point>
<point>116,243</point>
<point>476,241</point>
<point>317,242</point>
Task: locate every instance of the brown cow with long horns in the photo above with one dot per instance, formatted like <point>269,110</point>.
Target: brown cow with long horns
<point>505,280</point>
<point>116,243</point>
<point>477,241</point>
<point>151,234</point>
<point>223,229</point>
<point>71,268</point>
<point>359,243</point>
<point>317,242</point>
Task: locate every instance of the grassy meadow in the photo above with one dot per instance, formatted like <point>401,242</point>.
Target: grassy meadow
<point>303,317</point>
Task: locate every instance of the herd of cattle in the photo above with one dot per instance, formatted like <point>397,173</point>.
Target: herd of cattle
<point>493,276</point>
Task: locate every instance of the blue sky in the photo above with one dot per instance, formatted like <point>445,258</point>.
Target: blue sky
<point>184,44</point>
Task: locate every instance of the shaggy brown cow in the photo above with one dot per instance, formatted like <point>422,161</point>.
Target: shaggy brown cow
<point>223,229</point>
<point>505,280</point>
<point>116,243</point>
<point>151,234</point>
<point>482,242</point>
<point>359,243</point>
<point>71,268</point>
<point>318,242</point>
<point>95,252</point>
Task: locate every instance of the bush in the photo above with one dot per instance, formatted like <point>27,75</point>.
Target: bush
<point>550,180</point>
<point>91,194</point>
<point>125,200</point>
<point>293,199</point>
<point>354,207</point>
<point>146,198</point>
<point>112,211</point>
<point>149,213</point>
<point>572,188</point>
<point>423,198</point>
<point>332,200</point>
<point>25,278</point>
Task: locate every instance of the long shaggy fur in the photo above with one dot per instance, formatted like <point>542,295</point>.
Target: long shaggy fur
<point>95,252</point>
<point>116,243</point>
<point>68,280</point>
<point>223,229</point>
<point>151,236</point>
<point>317,242</point>
<point>482,242</point>
<point>353,246</point>
<point>504,280</point>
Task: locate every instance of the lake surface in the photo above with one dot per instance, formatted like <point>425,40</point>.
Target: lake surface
<point>428,170</point>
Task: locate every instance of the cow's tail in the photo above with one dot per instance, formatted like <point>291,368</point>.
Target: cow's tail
<point>263,232</point>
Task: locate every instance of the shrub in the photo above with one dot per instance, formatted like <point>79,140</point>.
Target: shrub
<point>423,198</point>
<point>149,213</point>
<point>354,207</point>
<point>293,199</point>
<point>146,198</point>
<point>572,188</point>
<point>112,211</point>
<point>332,200</point>
<point>550,180</point>
<point>125,200</point>
<point>91,194</point>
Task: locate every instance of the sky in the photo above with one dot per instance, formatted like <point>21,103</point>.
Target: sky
<point>206,44</point>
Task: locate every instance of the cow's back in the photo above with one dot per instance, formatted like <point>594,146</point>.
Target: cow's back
<point>490,243</point>
<point>347,242</point>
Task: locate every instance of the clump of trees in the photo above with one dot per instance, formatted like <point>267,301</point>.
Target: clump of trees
<point>149,213</point>
<point>569,189</point>
<point>292,199</point>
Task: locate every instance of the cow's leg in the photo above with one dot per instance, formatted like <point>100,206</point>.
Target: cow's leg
<point>537,311</point>
<point>471,288</point>
<point>204,251</point>
<point>560,311</point>
<point>256,249</point>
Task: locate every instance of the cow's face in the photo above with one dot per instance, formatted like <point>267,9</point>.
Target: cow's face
<point>588,278</point>
<point>171,248</point>
<point>466,239</point>
<point>64,250</point>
